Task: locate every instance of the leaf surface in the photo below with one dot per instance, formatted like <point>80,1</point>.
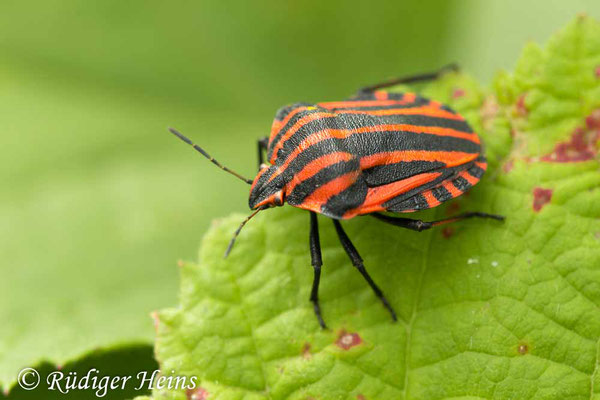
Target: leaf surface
<point>486,310</point>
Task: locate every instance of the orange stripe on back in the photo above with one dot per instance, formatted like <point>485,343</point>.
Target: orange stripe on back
<point>430,199</point>
<point>468,177</point>
<point>313,168</point>
<point>452,189</point>
<point>450,158</point>
<point>321,195</point>
<point>427,111</point>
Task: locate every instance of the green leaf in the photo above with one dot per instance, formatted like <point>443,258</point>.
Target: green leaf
<point>118,361</point>
<point>486,309</point>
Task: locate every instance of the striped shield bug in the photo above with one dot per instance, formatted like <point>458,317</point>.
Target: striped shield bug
<point>377,152</point>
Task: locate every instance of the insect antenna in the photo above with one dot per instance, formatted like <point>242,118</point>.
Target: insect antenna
<point>238,230</point>
<point>208,156</point>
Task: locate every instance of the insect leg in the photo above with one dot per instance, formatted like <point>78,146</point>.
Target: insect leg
<point>262,146</point>
<point>418,225</point>
<point>410,79</point>
<point>357,261</point>
<point>316,261</point>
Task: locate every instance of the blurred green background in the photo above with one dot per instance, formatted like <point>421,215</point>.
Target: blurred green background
<point>98,201</point>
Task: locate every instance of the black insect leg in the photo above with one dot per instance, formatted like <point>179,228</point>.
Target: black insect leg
<point>357,261</point>
<point>262,146</point>
<point>410,79</point>
<point>316,261</point>
<point>418,225</point>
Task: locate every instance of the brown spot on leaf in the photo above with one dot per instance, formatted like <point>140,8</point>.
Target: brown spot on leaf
<point>447,232</point>
<point>541,197</point>
<point>520,106</point>
<point>523,348</point>
<point>306,351</point>
<point>360,397</point>
<point>180,263</point>
<point>597,235</point>
<point>508,166</point>
<point>347,340</point>
<point>457,93</point>
<point>592,121</point>
<point>197,394</point>
<point>581,146</point>
<point>597,71</point>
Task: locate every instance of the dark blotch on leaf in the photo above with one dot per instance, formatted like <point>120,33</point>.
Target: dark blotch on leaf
<point>508,166</point>
<point>306,351</point>
<point>447,232</point>
<point>541,197</point>
<point>597,71</point>
<point>582,144</point>
<point>457,93</point>
<point>347,340</point>
<point>197,394</point>
<point>520,106</point>
<point>360,397</point>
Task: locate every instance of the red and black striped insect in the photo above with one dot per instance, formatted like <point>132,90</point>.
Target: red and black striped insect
<point>376,152</point>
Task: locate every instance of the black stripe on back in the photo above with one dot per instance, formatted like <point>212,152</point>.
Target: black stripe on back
<point>382,174</point>
<point>441,194</point>
<point>461,184</point>
<point>348,199</point>
<point>475,172</point>
<point>415,202</point>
